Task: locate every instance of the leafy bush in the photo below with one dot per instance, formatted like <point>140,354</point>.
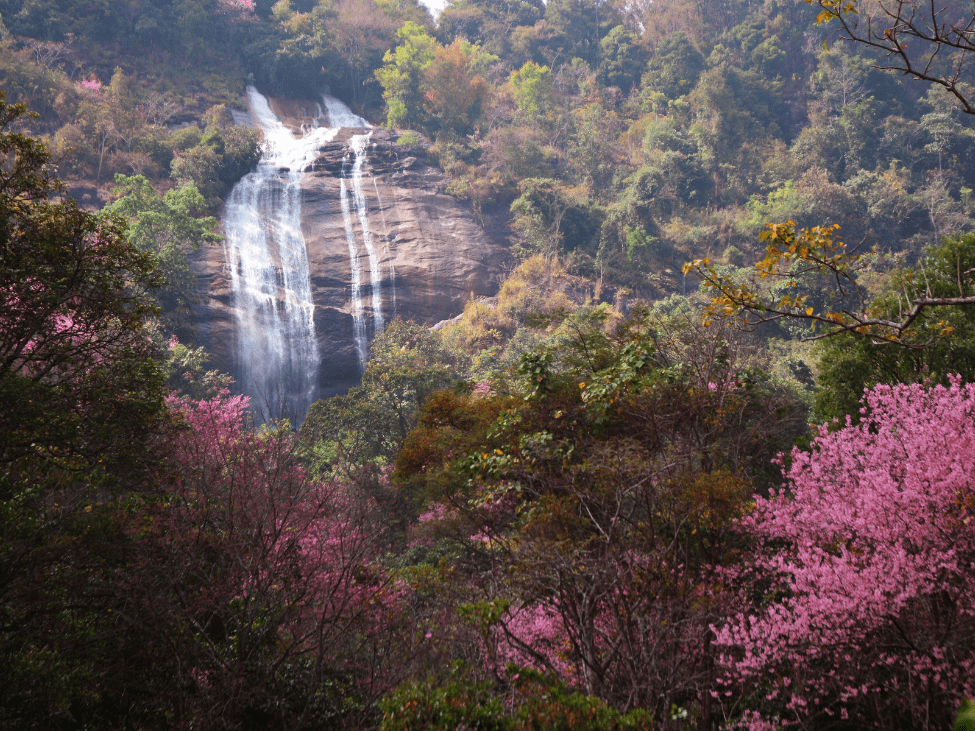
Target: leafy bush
<point>521,700</point>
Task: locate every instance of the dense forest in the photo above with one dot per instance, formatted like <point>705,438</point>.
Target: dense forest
<point>700,463</point>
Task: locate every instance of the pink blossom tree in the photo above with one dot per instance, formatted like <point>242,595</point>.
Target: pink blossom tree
<point>865,572</point>
<point>253,584</point>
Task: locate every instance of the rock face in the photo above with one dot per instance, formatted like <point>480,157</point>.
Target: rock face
<point>419,254</point>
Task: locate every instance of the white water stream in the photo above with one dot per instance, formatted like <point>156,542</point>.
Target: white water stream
<point>276,353</point>
<point>358,144</point>
<point>358,320</point>
<point>340,115</point>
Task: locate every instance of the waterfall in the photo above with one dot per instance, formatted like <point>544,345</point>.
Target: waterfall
<point>358,322</point>
<point>358,145</point>
<point>340,115</point>
<point>276,353</point>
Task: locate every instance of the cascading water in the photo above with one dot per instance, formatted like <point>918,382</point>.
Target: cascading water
<point>358,321</point>
<point>276,352</point>
<point>340,115</point>
<point>358,144</point>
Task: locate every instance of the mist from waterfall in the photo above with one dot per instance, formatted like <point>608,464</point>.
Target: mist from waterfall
<point>276,352</point>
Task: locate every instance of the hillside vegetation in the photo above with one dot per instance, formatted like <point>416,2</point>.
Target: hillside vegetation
<point>700,463</point>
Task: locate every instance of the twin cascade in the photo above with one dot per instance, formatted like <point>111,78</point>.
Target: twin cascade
<point>336,232</point>
<point>277,352</point>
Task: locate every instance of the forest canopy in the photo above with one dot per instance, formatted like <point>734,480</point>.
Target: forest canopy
<point>705,461</point>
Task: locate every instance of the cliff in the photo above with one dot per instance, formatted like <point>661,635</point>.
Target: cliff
<point>426,257</point>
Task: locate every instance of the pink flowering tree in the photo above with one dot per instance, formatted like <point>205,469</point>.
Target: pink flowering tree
<point>255,586</point>
<point>599,507</point>
<point>865,572</point>
<point>90,83</point>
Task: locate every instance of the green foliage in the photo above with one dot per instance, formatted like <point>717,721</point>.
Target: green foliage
<point>82,397</point>
<point>199,166</point>
<point>622,59</point>
<point>578,26</point>
<point>166,226</point>
<point>217,160</point>
<point>606,444</point>
<point>366,427</point>
<point>783,204</point>
<point>636,240</point>
<point>592,147</point>
<point>533,89</point>
<point>555,218</point>
<point>731,108</point>
<point>76,361</point>
<point>675,66</point>
<point>945,336</point>
<point>965,720</point>
<point>185,371</point>
<point>402,75</point>
<point>408,139</point>
<point>428,706</point>
<point>523,701</point>
<point>490,23</point>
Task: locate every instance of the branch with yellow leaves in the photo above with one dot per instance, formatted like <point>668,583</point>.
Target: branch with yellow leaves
<point>912,34</point>
<point>791,256</point>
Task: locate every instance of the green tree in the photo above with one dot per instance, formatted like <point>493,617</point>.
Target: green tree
<point>942,336</point>
<point>76,362</point>
<point>166,226</point>
<point>918,328</point>
<point>81,396</point>
<point>366,427</point>
<point>402,75</point>
<point>621,59</point>
<point>585,477</point>
<point>555,218</point>
<point>200,167</point>
<point>948,133</point>
<point>577,26</point>
<point>731,110</point>
<point>490,23</point>
<point>675,67</point>
<point>592,147</point>
<point>533,88</point>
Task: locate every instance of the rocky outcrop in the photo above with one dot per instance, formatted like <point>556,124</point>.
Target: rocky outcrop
<point>433,253</point>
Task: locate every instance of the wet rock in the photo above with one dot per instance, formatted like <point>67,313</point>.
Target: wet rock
<point>434,254</point>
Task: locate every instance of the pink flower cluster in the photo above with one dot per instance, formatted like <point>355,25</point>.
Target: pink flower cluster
<point>298,542</point>
<point>873,544</point>
<point>534,636</point>
<point>482,388</point>
<point>90,83</point>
